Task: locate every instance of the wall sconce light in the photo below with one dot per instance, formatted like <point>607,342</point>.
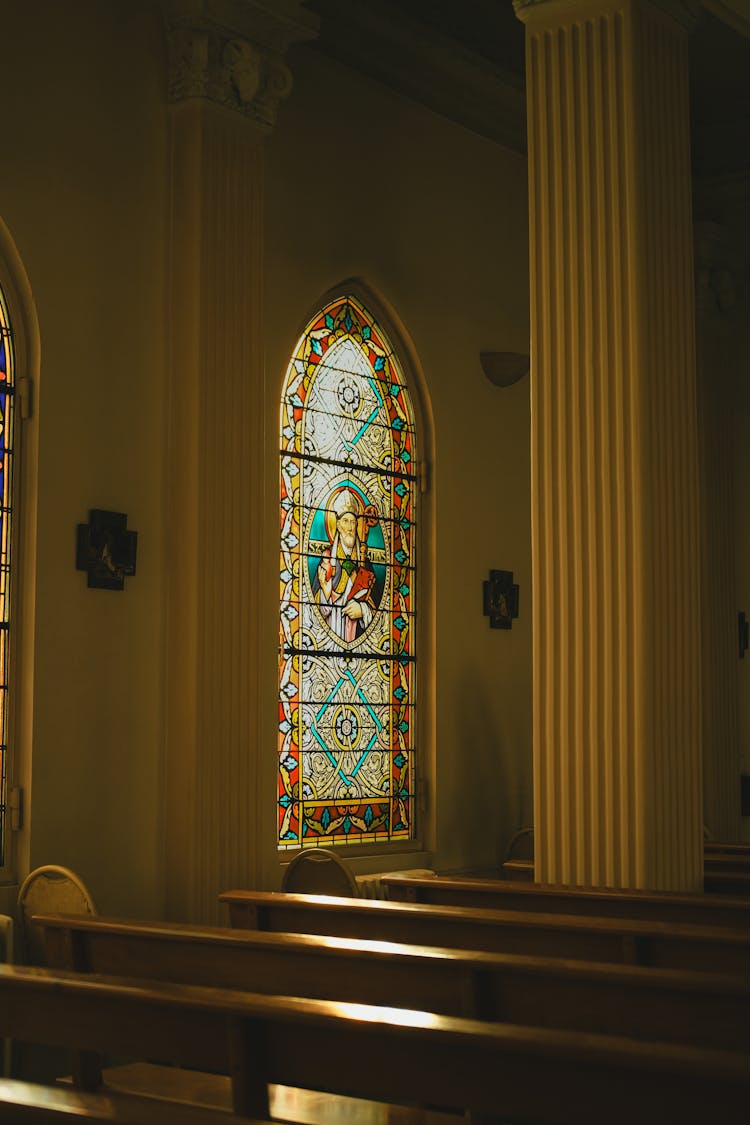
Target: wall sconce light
<point>503,369</point>
<point>501,599</point>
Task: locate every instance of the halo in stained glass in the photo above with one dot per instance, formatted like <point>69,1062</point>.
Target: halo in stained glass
<point>347,587</point>
<point>7,393</point>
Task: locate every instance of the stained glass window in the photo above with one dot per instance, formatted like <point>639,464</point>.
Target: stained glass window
<point>7,387</point>
<point>347,574</point>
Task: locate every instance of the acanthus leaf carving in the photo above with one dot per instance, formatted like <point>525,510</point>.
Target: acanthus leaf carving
<point>205,62</point>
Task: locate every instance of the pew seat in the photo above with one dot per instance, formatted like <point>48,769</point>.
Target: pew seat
<point>287,1103</point>
<point>664,1004</point>
<point>26,1103</point>
<point>399,1056</point>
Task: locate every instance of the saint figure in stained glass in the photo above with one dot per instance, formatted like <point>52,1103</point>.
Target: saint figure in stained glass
<point>344,584</point>
<point>347,655</point>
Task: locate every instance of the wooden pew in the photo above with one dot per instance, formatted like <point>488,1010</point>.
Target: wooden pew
<point>726,883</point>
<point>25,1103</point>
<point>499,894</point>
<point>675,1006</point>
<point>718,847</point>
<point>710,847</point>
<point>730,877</point>
<point>659,944</point>
<point>726,861</point>
<point>727,872</point>
<point>546,1076</point>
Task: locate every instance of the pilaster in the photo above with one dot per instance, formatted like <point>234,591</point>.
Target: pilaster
<point>615,549</point>
<point>225,87</point>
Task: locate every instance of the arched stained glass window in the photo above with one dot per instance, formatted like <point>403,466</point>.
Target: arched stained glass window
<point>347,635</point>
<point>7,391</point>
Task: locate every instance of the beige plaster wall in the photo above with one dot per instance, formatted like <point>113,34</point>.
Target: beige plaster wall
<point>82,193</point>
<point>361,183</point>
<point>433,219</point>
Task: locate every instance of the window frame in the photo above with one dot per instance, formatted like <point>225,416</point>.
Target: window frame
<point>23,322</point>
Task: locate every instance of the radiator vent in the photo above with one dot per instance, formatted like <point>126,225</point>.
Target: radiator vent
<point>371,886</point>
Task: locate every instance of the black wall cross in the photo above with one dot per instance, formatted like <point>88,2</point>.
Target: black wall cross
<point>501,599</point>
<point>106,550</point>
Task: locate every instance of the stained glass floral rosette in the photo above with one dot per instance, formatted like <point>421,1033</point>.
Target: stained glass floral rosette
<point>347,656</point>
<point>6,489</point>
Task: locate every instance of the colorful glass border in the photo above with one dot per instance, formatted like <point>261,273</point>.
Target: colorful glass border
<point>303,820</point>
<point>7,412</point>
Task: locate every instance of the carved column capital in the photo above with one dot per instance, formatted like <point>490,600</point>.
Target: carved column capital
<point>231,53</point>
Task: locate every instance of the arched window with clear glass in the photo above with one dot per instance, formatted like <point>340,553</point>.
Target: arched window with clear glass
<point>348,572</point>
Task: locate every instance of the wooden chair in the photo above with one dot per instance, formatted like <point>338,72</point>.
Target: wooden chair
<point>519,870</point>
<point>318,871</point>
<point>521,844</point>
<point>50,888</point>
<point>518,862</point>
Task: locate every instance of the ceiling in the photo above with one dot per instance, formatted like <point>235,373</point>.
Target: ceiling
<point>719,98</point>
<point>465,59</point>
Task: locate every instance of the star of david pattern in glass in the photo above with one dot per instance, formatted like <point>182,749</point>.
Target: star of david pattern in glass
<point>347,577</point>
<point>7,388</point>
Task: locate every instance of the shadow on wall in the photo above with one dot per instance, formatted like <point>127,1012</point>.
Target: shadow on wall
<point>485,779</point>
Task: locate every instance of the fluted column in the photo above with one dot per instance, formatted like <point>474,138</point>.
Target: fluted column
<point>615,552</point>
<point>225,86</point>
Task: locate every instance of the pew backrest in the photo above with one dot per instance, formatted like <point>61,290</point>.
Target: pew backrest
<point>729,847</point>
<point>658,944</point>
<point>389,1055</point>
<point>726,861</point>
<point>719,882</point>
<point>670,1005</point>
<point>501,894</point>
